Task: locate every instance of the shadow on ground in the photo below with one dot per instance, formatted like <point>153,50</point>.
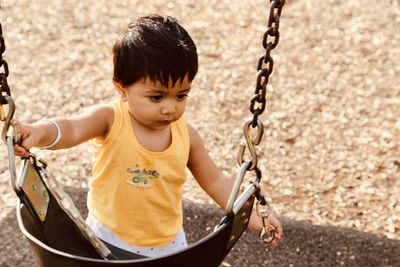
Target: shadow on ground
<point>304,244</point>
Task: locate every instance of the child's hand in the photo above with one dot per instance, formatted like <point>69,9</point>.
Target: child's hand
<point>256,224</point>
<point>30,137</point>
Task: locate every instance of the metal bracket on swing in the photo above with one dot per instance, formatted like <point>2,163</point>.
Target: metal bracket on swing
<point>30,182</point>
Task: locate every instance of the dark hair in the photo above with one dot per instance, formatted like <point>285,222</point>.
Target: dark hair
<point>154,47</point>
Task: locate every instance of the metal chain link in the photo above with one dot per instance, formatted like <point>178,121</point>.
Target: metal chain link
<point>5,98</point>
<point>4,72</point>
<point>257,106</point>
<point>258,100</point>
<point>4,89</point>
<point>10,135</point>
<point>265,63</point>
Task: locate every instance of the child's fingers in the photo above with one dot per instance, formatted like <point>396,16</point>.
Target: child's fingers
<point>278,231</point>
<point>20,151</point>
<point>275,242</point>
<point>26,141</point>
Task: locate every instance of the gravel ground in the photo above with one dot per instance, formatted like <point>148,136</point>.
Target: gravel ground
<point>331,149</point>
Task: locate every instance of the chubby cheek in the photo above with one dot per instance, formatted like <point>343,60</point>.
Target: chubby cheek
<point>178,115</point>
<point>150,114</point>
<point>182,108</point>
<point>143,114</point>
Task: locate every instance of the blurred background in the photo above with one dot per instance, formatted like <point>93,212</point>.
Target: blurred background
<point>331,149</point>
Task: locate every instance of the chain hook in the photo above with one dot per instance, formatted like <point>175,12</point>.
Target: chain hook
<point>10,128</point>
<point>251,143</point>
<point>2,113</point>
<point>268,232</point>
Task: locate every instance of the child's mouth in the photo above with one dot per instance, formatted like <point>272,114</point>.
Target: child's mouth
<point>165,122</point>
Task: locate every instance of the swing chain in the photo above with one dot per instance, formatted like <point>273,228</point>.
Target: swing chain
<point>5,99</point>
<point>4,72</point>
<point>257,107</point>
<point>258,100</point>
<point>265,63</point>
<point>10,133</point>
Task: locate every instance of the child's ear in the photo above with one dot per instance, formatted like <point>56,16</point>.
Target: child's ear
<point>121,90</point>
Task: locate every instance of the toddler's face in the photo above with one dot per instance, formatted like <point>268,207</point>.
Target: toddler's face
<point>154,106</point>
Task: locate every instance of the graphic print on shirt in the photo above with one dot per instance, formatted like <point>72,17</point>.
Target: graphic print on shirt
<point>141,177</point>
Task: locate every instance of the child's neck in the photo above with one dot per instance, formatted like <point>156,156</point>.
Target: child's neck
<point>150,139</point>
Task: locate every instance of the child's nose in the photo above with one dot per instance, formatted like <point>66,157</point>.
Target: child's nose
<point>168,108</point>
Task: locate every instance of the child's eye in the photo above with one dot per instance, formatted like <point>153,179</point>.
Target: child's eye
<point>182,96</point>
<point>156,98</point>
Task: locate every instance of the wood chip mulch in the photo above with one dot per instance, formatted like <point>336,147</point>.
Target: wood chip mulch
<point>330,155</point>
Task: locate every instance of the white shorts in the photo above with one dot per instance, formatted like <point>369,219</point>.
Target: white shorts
<point>104,233</point>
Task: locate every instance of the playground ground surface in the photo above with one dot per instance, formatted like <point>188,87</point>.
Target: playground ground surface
<point>330,154</point>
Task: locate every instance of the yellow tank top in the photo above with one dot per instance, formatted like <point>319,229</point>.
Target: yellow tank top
<point>135,192</point>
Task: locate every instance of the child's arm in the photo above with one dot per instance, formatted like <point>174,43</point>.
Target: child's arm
<point>216,184</point>
<point>95,122</point>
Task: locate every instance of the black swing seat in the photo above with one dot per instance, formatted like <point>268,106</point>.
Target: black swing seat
<point>58,239</point>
